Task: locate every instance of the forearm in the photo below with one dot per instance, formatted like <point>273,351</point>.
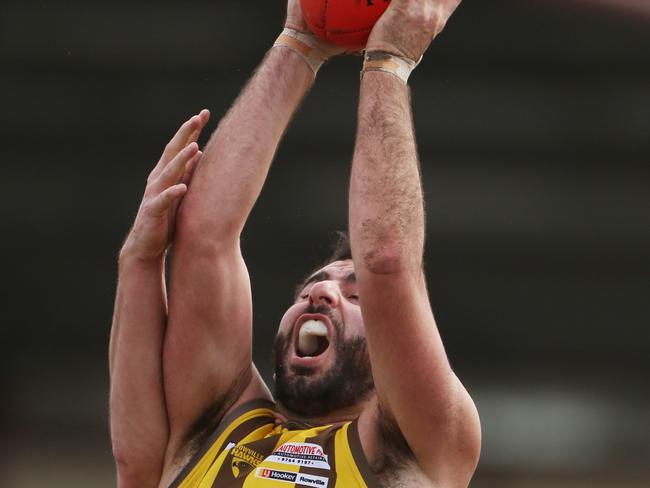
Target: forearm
<point>387,236</point>
<point>139,426</point>
<point>387,233</point>
<point>386,205</point>
<point>238,156</point>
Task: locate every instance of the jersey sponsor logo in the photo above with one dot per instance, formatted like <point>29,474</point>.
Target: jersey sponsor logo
<point>289,477</point>
<point>244,460</point>
<point>300,454</point>
<point>274,474</point>
<point>312,480</point>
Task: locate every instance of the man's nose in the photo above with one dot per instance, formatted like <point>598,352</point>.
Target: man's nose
<point>324,293</point>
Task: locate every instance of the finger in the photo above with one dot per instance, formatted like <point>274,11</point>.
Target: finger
<point>190,167</point>
<point>187,133</point>
<point>163,202</point>
<point>175,145</point>
<point>181,138</point>
<point>172,173</point>
<point>203,116</point>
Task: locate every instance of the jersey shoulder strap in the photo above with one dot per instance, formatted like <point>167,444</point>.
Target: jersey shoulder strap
<point>353,466</point>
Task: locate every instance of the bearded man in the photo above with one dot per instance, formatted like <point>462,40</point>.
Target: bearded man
<point>365,395</point>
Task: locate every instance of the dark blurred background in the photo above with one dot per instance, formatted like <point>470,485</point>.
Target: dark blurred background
<point>533,121</point>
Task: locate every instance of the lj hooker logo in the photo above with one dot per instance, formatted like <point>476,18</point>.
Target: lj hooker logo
<point>244,459</point>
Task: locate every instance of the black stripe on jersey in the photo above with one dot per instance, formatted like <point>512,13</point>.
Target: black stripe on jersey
<point>326,440</point>
<point>359,456</point>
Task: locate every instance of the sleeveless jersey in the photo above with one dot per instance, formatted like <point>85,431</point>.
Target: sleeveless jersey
<point>248,450</point>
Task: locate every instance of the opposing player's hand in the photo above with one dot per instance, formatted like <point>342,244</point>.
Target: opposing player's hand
<point>407,27</point>
<point>167,183</point>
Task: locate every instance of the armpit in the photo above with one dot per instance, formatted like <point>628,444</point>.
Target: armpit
<point>394,454</point>
<point>208,422</point>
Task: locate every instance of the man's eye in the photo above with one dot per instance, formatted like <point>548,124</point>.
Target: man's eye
<point>304,296</point>
<point>353,297</point>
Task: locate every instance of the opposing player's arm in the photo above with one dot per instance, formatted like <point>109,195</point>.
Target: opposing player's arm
<point>138,415</point>
<point>139,427</point>
<point>415,383</point>
<point>208,346</point>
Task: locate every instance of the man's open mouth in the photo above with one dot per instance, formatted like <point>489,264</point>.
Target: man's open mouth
<point>313,339</point>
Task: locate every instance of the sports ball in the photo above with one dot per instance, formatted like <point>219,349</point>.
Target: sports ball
<point>345,23</point>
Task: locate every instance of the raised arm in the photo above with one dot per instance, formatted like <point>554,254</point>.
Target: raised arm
<point>139,427</point>
<point>208,346</point>
<point>415,383</point>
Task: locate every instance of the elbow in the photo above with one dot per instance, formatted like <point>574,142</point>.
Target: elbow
<point>125,477</point>
<point>129,476</point>
<point>202,233</point>
<point>136,465</point>
<point>383,260</point>
<point>390,258</point>
<point>388,246</point>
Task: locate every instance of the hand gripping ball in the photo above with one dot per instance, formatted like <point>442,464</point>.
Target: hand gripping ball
<point>345,23</point>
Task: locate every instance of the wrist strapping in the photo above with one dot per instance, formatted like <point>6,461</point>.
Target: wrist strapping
<point>389,63</point>
<point>312,50</point>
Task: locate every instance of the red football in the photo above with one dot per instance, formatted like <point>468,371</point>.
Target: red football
<point>343,22</point>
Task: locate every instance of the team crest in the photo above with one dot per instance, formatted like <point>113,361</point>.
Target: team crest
<point>244,460</point>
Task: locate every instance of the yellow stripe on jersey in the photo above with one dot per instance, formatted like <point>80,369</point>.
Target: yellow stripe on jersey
<point>346,468</point>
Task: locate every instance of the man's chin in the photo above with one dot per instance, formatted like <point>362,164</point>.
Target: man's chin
<point>315,386</point>
<point>305,392</point>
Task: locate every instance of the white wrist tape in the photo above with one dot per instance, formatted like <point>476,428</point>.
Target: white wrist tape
<point>312,50</point>
<point>389,63</point>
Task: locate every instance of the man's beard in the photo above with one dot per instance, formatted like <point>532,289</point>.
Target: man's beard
<point>345,384</point>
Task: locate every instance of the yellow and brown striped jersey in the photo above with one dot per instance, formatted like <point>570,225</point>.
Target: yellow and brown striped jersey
<point>249,450</point>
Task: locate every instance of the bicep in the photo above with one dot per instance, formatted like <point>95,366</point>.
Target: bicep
<point>208,345</point>
<point>413,377</point>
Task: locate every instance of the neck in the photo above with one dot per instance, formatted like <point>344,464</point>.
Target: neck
<point>336,416</point>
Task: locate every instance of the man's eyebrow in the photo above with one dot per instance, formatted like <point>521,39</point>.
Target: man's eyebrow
<point>351,278</point>
<point>323,276</point>
<point>320,276</point>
